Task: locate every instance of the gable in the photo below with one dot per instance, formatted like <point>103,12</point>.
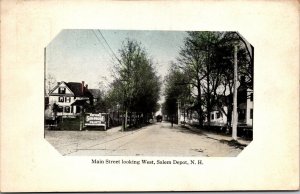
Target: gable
<point>55,90</point>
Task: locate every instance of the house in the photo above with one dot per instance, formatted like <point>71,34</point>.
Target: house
<point>96,93</point>
<point>244,108</point>
<point>69,98</point>
<point>218,117</point>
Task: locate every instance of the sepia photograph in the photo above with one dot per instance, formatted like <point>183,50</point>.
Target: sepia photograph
<point>148,93</point>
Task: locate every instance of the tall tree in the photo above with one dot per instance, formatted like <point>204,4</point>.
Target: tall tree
<point>196,58</point>
<point>177,91</point>
<point>137,80</point>
<point>208,58</point>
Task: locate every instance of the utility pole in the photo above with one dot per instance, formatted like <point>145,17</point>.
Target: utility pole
<point>108,116</point>
<point>234,113</point>
<point>178,113</point>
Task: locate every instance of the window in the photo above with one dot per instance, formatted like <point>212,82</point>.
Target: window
<point>251,113</point>
<point>67,109</point>
<point>60,109</point>
<point>61,99</point>
<point>218,115</point>
<point>242,114</point>
<point>61,90</point>
<point>212,116</point>
<point>251,97</point>
<point>77,109</point>
<point>67,99</point>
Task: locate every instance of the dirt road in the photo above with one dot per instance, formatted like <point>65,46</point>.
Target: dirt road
<point>158,139</point>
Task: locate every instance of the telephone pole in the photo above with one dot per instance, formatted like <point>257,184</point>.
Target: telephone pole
<point>178,112</point>
<point>234,113</point>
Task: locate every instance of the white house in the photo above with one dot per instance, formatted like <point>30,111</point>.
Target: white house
<point>217,116</point>
<point>244,109</point>
<point>69,98</point>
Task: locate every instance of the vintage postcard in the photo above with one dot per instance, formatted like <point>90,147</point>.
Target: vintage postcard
<point>149,93</point>
<point>149,96</point>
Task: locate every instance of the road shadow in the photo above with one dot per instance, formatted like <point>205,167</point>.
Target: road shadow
<point>94,129</point>
<point>241,133</point>
<point>136,127</point>
<point>233,143</point>
<point>186,129</point>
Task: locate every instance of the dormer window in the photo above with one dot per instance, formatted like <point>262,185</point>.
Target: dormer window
<point>61,90</point>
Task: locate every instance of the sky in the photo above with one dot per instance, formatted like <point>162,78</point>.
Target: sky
<point>83,55</point>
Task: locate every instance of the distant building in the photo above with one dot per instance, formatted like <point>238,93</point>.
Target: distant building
<point>96,93</point>
<point>217,116</point>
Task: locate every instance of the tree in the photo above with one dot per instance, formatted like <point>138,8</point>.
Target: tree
<point>50,82</point>
<point>208,59</point>
<point>196,58</point>
<point>136,85</point>
<point>176,91</point>
<point>224,61</point>
<point>109,96</point>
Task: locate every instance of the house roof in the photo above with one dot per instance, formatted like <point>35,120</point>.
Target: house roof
<point>76,88</point>
<point>95,92</point>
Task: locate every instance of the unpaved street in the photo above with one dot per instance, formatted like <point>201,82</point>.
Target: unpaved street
<point>157,139</point>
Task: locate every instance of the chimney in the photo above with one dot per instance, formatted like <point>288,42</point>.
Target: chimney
<point>86,87</point>
<point>82,87</point>
<point>58,83</point>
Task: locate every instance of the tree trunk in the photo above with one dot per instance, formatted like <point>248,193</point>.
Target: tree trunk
<point>184,116</point>
<point>130,119</point>
<point>199,104</point>
<point>125,121</point>
<point>208,96</point>
<point>229,117</point>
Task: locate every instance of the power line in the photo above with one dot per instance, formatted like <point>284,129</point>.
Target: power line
<point>102,44</point>
<point>110,47</point>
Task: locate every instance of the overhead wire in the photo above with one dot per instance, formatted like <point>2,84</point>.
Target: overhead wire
<point>102,44</point>
<point>109,47</point>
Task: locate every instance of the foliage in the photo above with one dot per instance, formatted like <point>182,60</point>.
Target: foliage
<point>207,59</point>
<point>136,85</point>
<point>176,90</point>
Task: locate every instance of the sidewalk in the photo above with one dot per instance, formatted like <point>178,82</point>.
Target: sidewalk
<point>218,137</point>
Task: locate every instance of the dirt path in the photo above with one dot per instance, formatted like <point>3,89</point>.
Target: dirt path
<point>158,139</point>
